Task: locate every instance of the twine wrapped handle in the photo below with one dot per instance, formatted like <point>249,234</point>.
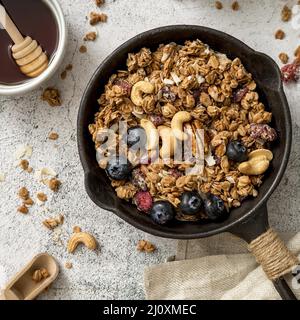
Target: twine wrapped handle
<point>273,255</point>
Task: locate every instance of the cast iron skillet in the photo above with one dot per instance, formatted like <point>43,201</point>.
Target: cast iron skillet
<point>251,219</point>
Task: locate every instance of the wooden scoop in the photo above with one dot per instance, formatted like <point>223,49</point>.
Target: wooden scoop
<point>23,287</point>
<point>29,56</point>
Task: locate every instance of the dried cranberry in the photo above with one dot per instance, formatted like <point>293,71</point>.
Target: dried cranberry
<point>217,159</point>
<point>126,86</point>
<point>138,179</point>
<point>239,94</point>
<point>263,131</point>
<point>156,119</point>
<point>175,173</point>
<point>168,94</point>
<point>143,201</point>
<point>196,95</point>
<point>291,72</point>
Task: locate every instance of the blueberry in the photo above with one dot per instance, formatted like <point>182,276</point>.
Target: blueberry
<point>118,168</point>
<point>191,202</point>
<point>162,212</point>
<point>214,207</point>
<point>236,151</point>
<point>136,137</point>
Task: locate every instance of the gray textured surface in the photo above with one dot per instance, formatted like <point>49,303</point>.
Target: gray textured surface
<point>116,271</point>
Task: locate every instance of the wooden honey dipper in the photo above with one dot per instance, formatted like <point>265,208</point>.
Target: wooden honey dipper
<point>27,53</point>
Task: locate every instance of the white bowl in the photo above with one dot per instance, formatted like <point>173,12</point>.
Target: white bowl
<point>18,89</point>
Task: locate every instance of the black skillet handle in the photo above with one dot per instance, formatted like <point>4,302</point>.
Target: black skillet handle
<point>251,229</point>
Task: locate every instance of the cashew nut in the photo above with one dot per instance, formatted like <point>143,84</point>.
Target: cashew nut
<point>168,142</point>
<point>151,134</point>
<point>261,153</point>
<point>258,162</point>
<point>177,124</point>
<point>138,89</point>
<point>81,237</point>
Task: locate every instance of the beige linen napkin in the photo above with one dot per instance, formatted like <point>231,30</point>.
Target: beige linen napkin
<point>218,267</point>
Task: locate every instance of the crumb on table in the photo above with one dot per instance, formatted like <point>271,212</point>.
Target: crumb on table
<point>53,136</point>
<point>218,5</point>
<point>95,18</point>
<point>54,184</point>
<point>99,2</point>
<point>284,58</point>
<point>69,67</point>
<point>83,49</point>
<point>90,36</point>
<point>24,164</point>
<point>52,223</point>
<point>23,193</point>
<point>146,246</point>
<point>235,6</point>
<point>279,34</point>
<point>28,202</point>
<point>76,229</point>
<point>286,14</point>
<point>63,75</point>
<point>23,209</point>
<point>42,196</point>
<point>52,97</point>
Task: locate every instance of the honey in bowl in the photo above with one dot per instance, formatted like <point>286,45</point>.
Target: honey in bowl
<point>40,25</point>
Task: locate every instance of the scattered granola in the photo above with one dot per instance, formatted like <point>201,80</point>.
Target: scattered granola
<point>69,67</point>
<point>83,49</point>
<point>54,184</point>
<point>53,136</point>
<point>52,223</point>
<point>23,193</point>
<point>90,36</point>
<point>24,164</point>
<point>208,91</point>
<point>286,14</point>
<point>68,265</point>
<point>235,6</point>
<point>146,246</point>
<point>284,58</point>
<point>23,209</point>
<point>41,196</point>
<point>218,5</point>
<point>28,202</point>
<point>280,34</point>
<point>76,229</point>
<point>52,97</point>
<point>99,3</point>
<point>97,17</point>
<point>40,275</point>
<point>63,75</point>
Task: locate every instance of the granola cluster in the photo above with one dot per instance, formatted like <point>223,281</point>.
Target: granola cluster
<point>221,98</point>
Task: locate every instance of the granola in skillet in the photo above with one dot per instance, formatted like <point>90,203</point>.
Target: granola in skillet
<point>171,90</point>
